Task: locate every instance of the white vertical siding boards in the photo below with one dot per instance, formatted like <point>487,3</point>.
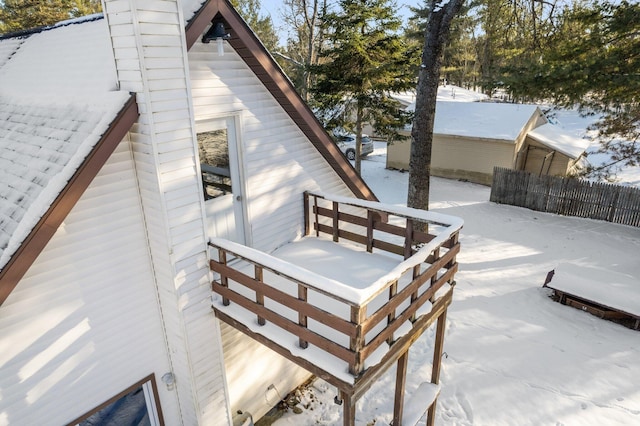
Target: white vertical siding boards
<point>278,163</point>
<point>84,321</point>
<point>169,186</point>
<point>277,157</point>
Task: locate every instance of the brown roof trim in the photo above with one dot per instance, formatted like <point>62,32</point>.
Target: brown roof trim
<point>255,55</point>
<point>40,235</point>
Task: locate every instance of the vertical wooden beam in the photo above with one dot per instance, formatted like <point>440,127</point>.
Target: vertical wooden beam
<point>414,295</point>
<point>408,238</point>
<point>438,347</point>
<point>393,290</point>
<point>224,281</point>
<point>307,216</point>
<point>401,381</point>
<point>259,296</point>
<point>370,223</point>
<point>336,222</point>
<point>302,318</point>
<point>434,278</point>
<point>356,344</point>
<point>315,210</point>
<point>348,410</point>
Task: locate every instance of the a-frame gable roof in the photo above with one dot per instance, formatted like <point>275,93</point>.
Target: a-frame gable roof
<point>256,56</point>
<point>44,176</point>
<point>22,247</point>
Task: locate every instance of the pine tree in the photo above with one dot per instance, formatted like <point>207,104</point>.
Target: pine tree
<point>16,15</point>
<point>262,25</point>
<point>593,61</point>
<point>367,60</point>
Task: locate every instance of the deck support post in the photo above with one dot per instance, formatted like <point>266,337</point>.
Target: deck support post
<point>348,410</point>
<point>401,381</point>
<point>438,348</point>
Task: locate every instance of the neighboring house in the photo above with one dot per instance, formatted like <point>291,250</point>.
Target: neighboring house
<point>471,138</point>
<point>551,151</point>
<point>105,286</point>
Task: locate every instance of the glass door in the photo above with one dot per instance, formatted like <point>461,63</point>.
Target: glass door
<point>221,178</point>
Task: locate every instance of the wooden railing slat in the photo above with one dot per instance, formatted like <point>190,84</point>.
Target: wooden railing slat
<point>374,319</point>
<point>287,325</point>
<point>285,299</point>
<point>392,327</point>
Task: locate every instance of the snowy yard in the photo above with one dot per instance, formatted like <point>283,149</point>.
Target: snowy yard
<point>513,356</point>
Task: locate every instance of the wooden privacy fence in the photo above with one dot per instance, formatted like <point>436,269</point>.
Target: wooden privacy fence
<point>567,196</point>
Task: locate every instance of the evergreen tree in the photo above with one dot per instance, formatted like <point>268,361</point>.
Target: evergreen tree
<point>594,62</point>
<point>365,62</point>
<point>16,15</point>
<point>261,25</point>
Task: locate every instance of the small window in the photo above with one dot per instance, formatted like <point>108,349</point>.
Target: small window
<point>213,148</point>
<point>136,406</point>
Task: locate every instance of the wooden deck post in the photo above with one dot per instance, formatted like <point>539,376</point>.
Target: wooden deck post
<point>317,215</point>
<point>348,410</point>
<point>224,281</point>
<point>370,223</point>
<point>393,290</point>
<point>259,295</point>
<point>336,222</point>
<point>408,239</point>
<point>401,380</point>
<point>302,318</point>
<point>358,315</point>
<point>307,216</point>
<point>438,347</point>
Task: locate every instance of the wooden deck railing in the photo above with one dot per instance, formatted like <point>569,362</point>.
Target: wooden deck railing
<point>351,325</point>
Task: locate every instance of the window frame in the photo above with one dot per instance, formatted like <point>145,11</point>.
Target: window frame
<point>150,380</point>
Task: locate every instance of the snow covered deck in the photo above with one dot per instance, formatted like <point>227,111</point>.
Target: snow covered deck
<point>347,300</point>
<point>606,294</point>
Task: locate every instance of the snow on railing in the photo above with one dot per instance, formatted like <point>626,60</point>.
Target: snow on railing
<point>350,323</point>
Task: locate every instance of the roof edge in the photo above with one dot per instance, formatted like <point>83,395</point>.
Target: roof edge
<point>47,226</point>
<point>257,58</point>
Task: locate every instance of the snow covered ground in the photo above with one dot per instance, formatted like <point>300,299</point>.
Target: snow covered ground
<point>512,355</point>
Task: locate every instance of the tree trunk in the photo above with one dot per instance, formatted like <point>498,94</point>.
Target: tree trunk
<point>436,37</point>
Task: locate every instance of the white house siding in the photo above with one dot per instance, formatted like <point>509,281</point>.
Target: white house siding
<point>148,41</point>
<point>278,163</point>
<point>83,324</point>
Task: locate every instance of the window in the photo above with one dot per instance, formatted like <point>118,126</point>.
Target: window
<point>213,149</point>
<point>136,406</point>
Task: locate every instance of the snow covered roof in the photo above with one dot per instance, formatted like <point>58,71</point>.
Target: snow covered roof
<point>486,120</point>
<point>58,103</point>
<point>41,147</point>
<point>556,138</point>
